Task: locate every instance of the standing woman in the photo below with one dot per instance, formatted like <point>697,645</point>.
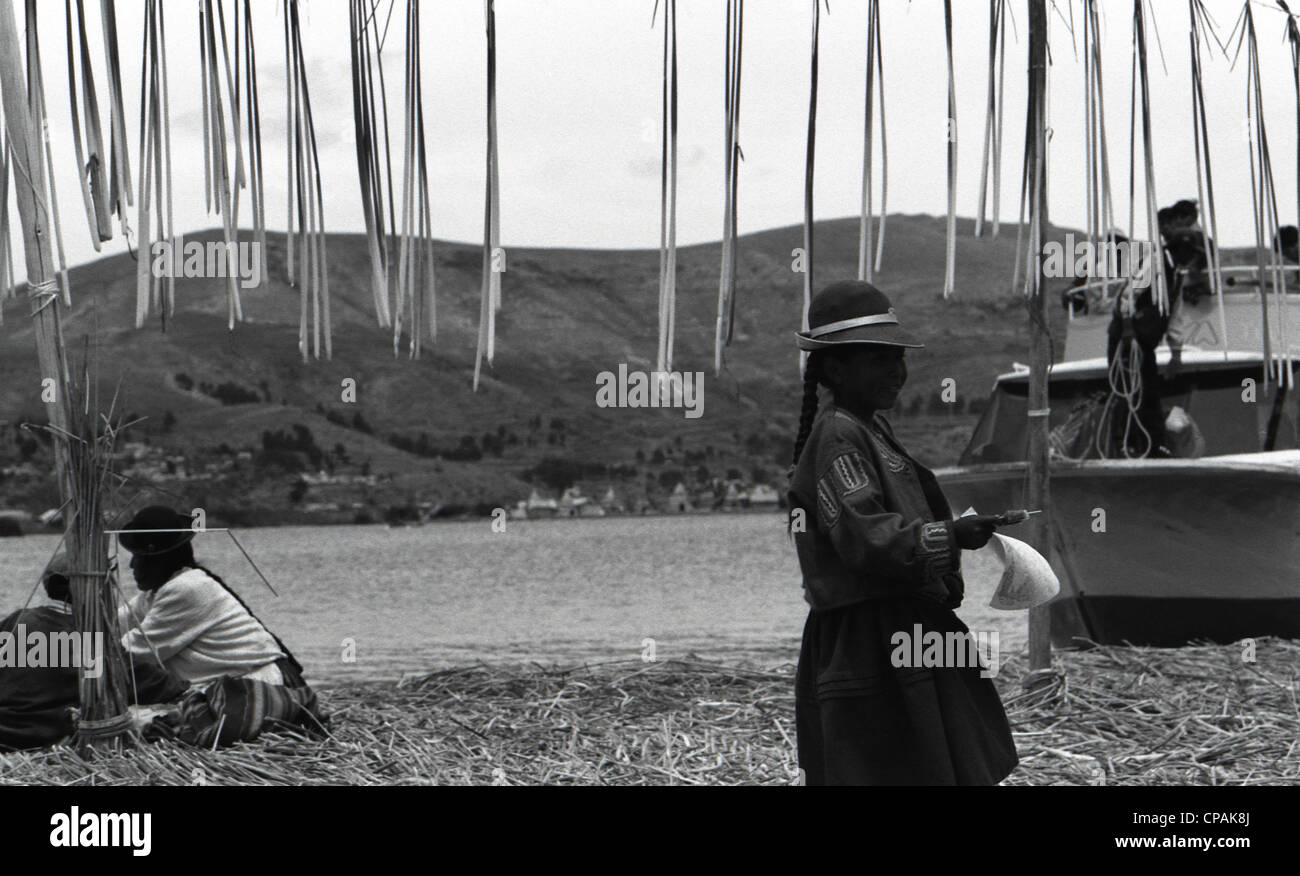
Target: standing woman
<point>880,556</point>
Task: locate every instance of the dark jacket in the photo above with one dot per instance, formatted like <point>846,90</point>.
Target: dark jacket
<point>36,702</point>
<point>851,548</point>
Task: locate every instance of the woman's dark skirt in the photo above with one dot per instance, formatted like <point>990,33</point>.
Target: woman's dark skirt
<point>863,721</point>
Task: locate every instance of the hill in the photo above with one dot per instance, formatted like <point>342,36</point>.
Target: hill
<point>214,399</point>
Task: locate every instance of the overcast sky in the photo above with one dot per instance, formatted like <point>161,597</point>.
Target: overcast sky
<point>579,113</point>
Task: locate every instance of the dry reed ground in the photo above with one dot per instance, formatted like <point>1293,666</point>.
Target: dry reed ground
<point>1139,716</point>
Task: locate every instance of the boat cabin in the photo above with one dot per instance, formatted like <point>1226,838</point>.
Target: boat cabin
<point>1213,389</point>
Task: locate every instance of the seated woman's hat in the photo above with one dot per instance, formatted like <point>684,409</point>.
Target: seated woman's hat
<point>170,530</point>
<point>852,312</point>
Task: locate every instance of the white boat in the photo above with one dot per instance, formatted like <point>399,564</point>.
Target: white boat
<point>1161,551</point>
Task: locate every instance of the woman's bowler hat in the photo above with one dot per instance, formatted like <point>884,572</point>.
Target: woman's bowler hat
<point>159,530</point>
<point>852,312</point>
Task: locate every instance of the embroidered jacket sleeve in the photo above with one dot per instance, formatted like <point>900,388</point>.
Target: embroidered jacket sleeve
<point>869,538</point>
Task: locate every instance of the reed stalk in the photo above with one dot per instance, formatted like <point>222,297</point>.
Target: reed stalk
<point>731,179</point>
<point>668,193</point>
<point>991,163</point>
<point>1201,27</point>
<point>810,156</point>
<point>1264,205</point>
<point>1142,109</point>
<point>950,258</point>
<point>869,251</point>
<point>306,202</point>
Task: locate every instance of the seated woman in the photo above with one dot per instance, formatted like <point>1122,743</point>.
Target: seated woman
<point>36,702</point>
<point>243,675</point>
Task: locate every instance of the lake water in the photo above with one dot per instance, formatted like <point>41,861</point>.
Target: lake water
<point>412,599</point>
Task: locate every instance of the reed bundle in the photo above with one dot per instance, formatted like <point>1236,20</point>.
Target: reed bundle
<point>90,438</point>
<point>869,252</point>
<point>950,257</point>
<point>306,202</point>
<point>668,191</point>
<point>155,167</point>
<point>1111,715</point>
<point>731,162</point>
<point>1202,29</point>
<point>991,163</point>
<point>491,292</point>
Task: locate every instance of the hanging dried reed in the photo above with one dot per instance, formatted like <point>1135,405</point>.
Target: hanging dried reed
<point>306,201</point>
<point>950,257</point>
<point>731,162</point>
<point>1201,27</point>
<point>7,289</point>
<point>91,163</point>
<point>491,292</point>
<point>810,156</point>
<point>155,167</point>
<point>668,192</point>
<point>1100,205</point>
<point>256,179</point>
<point>415,285</point>
<point>217,164</point>
<point>869,254</point>
<point>992,160</point>
<point>37,86</point>
<point>1032,183</point>
<point>1263,194</point>
<point>1141,103</point>
<point>374,162</point>
<point>120,178</point>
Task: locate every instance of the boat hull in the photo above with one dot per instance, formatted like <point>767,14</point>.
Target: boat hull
<point>1162,552</point>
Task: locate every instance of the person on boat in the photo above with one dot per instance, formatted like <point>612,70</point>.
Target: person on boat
<point>36,702</point>
<point>880,558</point>
<point>244,677</point>
<point>1134,335</point>
<point>1187,277</point>
<point>1287,242</point>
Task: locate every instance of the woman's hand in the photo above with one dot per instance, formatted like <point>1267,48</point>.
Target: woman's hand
<point>974,531</point>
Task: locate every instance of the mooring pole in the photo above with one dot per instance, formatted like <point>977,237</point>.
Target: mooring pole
<point>1040,642</point>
